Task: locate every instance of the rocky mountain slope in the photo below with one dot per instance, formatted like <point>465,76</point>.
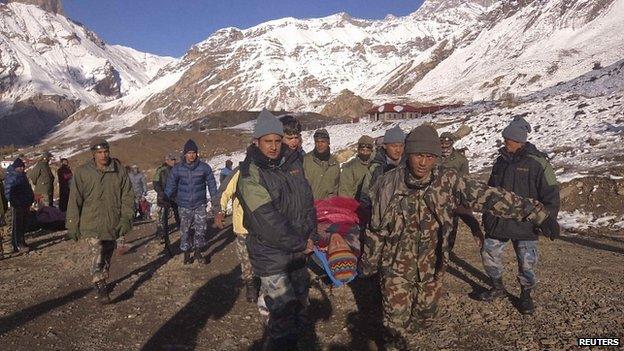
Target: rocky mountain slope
<point>44,55</point>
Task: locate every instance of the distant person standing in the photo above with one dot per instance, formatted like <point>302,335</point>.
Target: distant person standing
<point>165,204</point>
<point>225,171</point>
<point>187,184</point>
<point>321,168</point>
<point>42,178</point>
<point>64,176</point>
<point>19,193</point>
<point>139,186</point>
<point>100,210</point>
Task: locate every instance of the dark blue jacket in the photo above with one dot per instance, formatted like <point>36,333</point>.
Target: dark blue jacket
<point>528,174</point>
<point>17,189</point>
<point>187,185</point>
<point>278,211</point>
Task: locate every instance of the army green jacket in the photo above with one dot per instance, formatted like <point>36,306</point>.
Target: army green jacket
<point>410,225</point>
<point>456,161</point>
<point>323,176</point>
<point>352,178</point>
<point>101,203</point>
<point>42,178</point>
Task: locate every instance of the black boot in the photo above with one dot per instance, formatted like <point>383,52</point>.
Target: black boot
<point>201,258</point>
<point>496,292</point>
<point>187,257</point>
<point>252,290</point>
<point>526,302</point>
<point>101,292</point>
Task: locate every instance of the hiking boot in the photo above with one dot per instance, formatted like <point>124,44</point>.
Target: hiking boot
<point>23,248</point>
<point>252,290</point>
<point>101,292</point>
<point>201,258</point>
<point>496,292</point>
<point>526,302</point>
<point>187,257</point>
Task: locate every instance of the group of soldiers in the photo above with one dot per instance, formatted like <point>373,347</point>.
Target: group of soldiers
<point>414,186</point>
<point>21,190</point>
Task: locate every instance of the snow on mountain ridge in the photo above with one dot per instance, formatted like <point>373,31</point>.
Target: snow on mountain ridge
<point>56,56</point>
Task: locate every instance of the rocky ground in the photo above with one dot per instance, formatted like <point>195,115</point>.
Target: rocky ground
<point>159,304</point>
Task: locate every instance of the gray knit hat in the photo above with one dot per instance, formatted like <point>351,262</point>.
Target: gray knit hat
<point>394,135</point>
<point>266,124</point>
<point>517,130</point>
<point>321,134</point>
<point>423,140</point>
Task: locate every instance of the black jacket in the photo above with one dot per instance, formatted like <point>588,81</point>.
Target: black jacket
<point>528,174</point>
<point>278,210</point>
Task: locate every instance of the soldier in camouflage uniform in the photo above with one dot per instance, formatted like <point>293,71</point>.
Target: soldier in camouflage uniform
<point>407,239</point>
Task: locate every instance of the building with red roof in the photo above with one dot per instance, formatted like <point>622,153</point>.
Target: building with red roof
<point>389,112</point>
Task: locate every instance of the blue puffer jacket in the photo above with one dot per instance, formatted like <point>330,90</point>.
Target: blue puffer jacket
<point>187,185</point>
<point>17,189</point>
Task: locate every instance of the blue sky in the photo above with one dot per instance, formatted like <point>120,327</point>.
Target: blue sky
<point>170,27</point>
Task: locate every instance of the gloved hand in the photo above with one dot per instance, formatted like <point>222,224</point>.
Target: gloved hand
<point>124,227</point>
<point>550,228</point>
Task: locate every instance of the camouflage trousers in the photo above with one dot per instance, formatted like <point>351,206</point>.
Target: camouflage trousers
<point>243,256</point>
<point>526,255</point>
<point>193,227</point>
<point>285,297</point>
<point>101,255</point>
<point>407,305</point>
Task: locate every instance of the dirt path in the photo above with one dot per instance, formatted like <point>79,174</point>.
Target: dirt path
<point>47,303</point>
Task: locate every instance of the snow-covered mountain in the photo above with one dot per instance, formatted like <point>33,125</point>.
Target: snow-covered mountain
<point>523,49</point>
<point>448,50</point>
<point>46,56</point>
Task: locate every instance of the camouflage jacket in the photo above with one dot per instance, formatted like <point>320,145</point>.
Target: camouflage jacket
<point>411,222</point>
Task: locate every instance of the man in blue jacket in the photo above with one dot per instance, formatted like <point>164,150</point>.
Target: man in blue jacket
<point>525,170</point>
<point>187,184</point>
<point>20,196</point>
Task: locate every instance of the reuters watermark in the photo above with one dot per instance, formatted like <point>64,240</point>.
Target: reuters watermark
<point>589,342</point>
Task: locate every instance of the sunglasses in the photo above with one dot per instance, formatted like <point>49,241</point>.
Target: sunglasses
<point>366,146</point>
